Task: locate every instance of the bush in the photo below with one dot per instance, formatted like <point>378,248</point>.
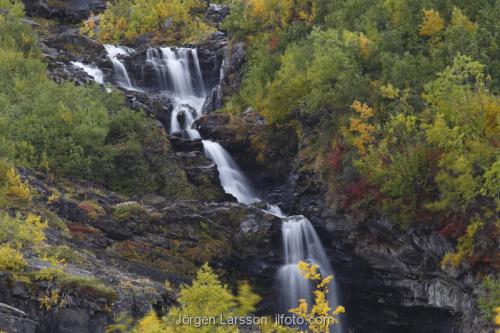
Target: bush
<point>22,232</point>
<point>13,191</point>
<point>206,297</point>
<point>11,259</point>
<point>489,301</point>
<point>18,190</point>
<point>91,208</point>
<point>125,210</point>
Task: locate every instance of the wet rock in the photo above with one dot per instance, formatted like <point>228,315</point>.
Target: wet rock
<point>201,171</point>
<point>181,144</point>
<point>60,72</point>
<point>72,45</point>
<point>233,68</point>
<point>156,106</point>
<point>214,101</point>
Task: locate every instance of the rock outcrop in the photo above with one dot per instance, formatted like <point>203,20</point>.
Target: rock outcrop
<point>70,11</point>
<point>131,247</point>
<point>264,151</point>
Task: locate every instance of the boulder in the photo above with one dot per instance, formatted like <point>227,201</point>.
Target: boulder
<point>217,13</point>
<point>263,151</point>
<point>70,11</point>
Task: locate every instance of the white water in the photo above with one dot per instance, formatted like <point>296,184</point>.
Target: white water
<point>174,66</point>
<point>232,179</point>
<point>120,74</point>
<point>301,243</point>
<point>91,70</point>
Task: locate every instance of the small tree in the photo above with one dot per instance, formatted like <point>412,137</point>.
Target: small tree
<point>320,316</point>
<point>207,297</point>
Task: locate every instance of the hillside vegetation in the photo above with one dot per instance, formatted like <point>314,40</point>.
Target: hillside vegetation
<point>404,94</point>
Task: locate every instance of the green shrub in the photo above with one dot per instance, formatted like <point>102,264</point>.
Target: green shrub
<point>22,232</point>
<point>13,191</point>
<point>87,285</point>
<point>489,301</point>
<point>172,20</point>
<point>124,210</point>
<point>63,253</point>
<point>11,259</point>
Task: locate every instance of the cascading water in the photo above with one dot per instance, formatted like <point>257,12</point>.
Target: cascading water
<point>301,243</point>
<point>172,68</point>
<point>175,65</point>
<point>232,179</point>
<point>91,70</point>
<point>120,74</point>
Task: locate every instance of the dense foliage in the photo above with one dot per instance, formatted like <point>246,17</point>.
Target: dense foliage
<point>170,20</point>
<point>64,130</point>
<point>404,100</point>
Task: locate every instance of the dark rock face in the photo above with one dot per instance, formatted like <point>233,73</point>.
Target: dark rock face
<point>214,101</point>
<point>211,54</point>
<point>156,106</point>
<point>65,44</point>
<point>217,13</point>
<point>263,151</point>
<point>181,144</point>
<point>233,68</point>
<point>60,72</point>
<point>14,320</point>
<point>133,253</point>
<point>71,11</point>
<point>202,173</point>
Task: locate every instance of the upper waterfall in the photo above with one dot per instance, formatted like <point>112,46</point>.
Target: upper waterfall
<point>91,70</point>
<point>120,74</point>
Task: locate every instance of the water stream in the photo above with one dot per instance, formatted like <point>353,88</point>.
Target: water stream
<point>178,73</point>
<point>120,74</point>
<point>91,70</point>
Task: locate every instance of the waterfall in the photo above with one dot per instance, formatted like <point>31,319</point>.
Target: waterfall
<point>174,66</point>
<point>199,75</point>
<point>120,74</point>
<point>155,60</point>
<point>232,179</point>
<point>91,70</point>
<point>173,69</point>
<point>301,243</point>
